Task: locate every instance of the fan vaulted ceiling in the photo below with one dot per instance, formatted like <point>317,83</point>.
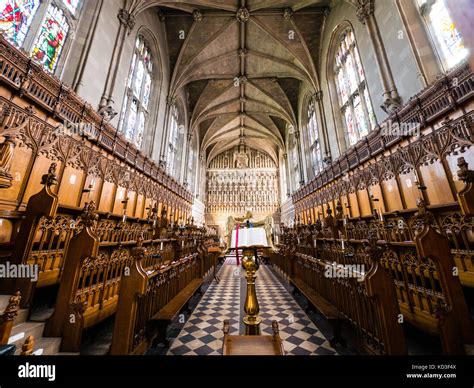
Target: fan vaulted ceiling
<point>242,65</point>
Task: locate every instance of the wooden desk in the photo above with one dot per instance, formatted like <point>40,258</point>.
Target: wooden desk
<point>252,345</point>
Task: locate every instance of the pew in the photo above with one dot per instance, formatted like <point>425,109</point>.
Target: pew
<point>149,300</point>
<point>91,277</point>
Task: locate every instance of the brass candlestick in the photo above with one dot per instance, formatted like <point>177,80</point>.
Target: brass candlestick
<point>251,320</point>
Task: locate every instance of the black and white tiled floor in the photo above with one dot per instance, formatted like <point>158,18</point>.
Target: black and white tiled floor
<point>202,334</point>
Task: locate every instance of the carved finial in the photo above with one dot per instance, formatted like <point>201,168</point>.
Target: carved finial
<point>28,346</point>
<point>464,174</point>
<point>50,179</point>
<point>12,307</point>
<point>89,215</point>
<point>139,252</point>
<point>423,215</point>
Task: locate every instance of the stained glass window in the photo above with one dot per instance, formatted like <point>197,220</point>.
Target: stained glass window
<point>71,5</point>
<point>192,165</point>
<point>133,120</point>
<point>353,96</point>
<point>172,154</point>
<point>294,160</point>
<point>51,39</point>
<point>314,143</point>
<point>16,17</point>
<point>446,37</point>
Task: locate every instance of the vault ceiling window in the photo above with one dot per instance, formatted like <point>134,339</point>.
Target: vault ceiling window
<point>445,37</point>
<point>15,19</point>
<point>134,117</point>
<point>353,96</point>
<point>313,137</point>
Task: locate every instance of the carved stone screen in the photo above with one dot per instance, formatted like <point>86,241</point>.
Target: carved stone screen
<point>241,180</point>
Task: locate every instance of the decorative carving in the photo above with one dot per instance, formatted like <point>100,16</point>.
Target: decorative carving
<point>197,15</point>
<point>391,105</point>
<point>7,150</point>
<point>89,215</point>
<point>126,18</point>
<point>107,112</point>
<point>243,15</point>
<point>50,179</point>
<point>288,14</point>
<point>243,52</point>
<point>365,8</point>
<point>12,308</point>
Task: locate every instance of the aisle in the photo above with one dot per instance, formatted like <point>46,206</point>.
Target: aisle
<point>202,334</point>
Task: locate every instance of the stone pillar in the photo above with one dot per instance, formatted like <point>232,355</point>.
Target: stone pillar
<point>126,25</point>
<point>365,14</point>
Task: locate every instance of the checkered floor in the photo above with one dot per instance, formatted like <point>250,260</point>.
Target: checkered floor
<point>202,334</point>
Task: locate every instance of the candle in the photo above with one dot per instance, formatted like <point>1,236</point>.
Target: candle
<point>124,218</point>
<point>381,214</point>
<point>161,246</point>
<point>343,246</point>
<point>182,243</point>
<point>194,241</point>
<point>315,242</point>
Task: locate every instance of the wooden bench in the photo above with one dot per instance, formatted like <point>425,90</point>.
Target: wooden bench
<point>167,314</point>
<point>252,345</point>
<point>324,307</point>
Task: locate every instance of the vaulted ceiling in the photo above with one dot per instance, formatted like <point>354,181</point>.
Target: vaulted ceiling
<point>242,66</point>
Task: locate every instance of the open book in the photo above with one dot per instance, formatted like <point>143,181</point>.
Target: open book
<point>249,237</point>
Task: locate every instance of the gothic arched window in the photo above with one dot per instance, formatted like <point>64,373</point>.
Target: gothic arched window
<point>353,96</point>
<point>134,117</point>
<point>49,43</point>
<point>15,19</point>
<point>172,154</point>
<point>314,143</point>
<point>46,42</point>
<point>294,162</point>
<point>446,38</point>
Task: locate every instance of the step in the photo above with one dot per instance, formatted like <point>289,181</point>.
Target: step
<point>21,317</point>
<point>44,347</point>
<point>42,315</point>
<point>21,332</point>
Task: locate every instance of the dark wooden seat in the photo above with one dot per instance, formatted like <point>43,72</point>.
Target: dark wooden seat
<point>252,345</point>
<point>327,310</point>
<point>167,314</point>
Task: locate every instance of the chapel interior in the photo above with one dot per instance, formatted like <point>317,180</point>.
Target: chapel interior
<point>236,177</point>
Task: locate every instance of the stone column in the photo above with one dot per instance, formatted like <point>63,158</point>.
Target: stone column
<point>365,14</point>
<point>126,25</point>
